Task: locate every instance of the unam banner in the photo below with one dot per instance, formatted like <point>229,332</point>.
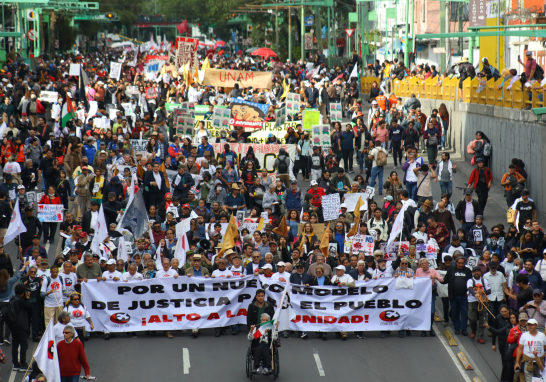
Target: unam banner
<point>198,303</point>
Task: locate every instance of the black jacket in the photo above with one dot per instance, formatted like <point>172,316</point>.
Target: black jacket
<point>5,263</point>
<point>298,279</point>
<point>460,209</point>
<point>181,192</point>
<point>500,329</point>
<point>314,282</point>
<point>34,227</point>
<point>86,221</point>
<point>354,274</point>
<point>5,213</point>
<point>149,178</point>
<point>111,211</point>
<point>22,308</point>
<point>252,314</point>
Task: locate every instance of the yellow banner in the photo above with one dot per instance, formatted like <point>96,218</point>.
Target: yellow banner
<point>228,78</point>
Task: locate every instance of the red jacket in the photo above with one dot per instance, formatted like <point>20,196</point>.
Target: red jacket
<point>474,177</point>
<point>72,358</point>
<point>317,196</point>
<point>47,200</point>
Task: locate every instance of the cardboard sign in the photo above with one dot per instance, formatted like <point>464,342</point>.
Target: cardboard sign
<point>228,78</point>
<point>293,103</point>
<point>50,213</point>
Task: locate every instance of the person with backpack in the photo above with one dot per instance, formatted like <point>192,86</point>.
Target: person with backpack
<point>466,69</point>
<point>476,316</point>
<point>284,166</point>
<point>6,293</point>
<point>379,157</point>
<point>52,293</point>
<point>483,148</point>
<point>513,185</point>
<point>15,315</point>
<point>533,72</point>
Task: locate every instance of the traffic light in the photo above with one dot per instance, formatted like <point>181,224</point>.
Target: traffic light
<point>110,15</point>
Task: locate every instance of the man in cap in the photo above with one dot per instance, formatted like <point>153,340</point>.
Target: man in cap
<point>424,182</point>
<point>281,274</point>
<point>478,289</point>
<point>457,279</point>
<point>111,274</point>
<point>536,309</point>
<point>531,346</point>
<point>496,281</point>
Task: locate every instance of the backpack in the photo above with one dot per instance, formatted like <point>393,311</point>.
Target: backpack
<point>283,166</point>
<point>32,106</point>
<point>49,280</point>
<point>487,149</point>
<point>516,187</point>
<point>8,313</point>
<point>381,159</point>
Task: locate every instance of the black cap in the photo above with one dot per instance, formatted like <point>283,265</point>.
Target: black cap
<point>525,192</point>
<point>493,264</point>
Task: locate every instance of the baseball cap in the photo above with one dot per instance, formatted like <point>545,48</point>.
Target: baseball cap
<point>525,192</point>
<point>537,291</point>
<point>343,205</point>
<point>267,266</point>
<point>476,269</point>
<point>294,182</point>
<point>528,53</point>
<point>20,187</point>
<point>314,183</point>
<point>494,265</point>
<point>468,191</point>
<point>186,206</point>
<point>281,264</point>
<point>532,321</point>
<point>340,267</point>
<point>111,262</point>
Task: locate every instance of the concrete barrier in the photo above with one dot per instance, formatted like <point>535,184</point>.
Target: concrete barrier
<point>513,133</point>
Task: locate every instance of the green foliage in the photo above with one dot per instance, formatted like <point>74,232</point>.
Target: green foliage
<point>66,33</point>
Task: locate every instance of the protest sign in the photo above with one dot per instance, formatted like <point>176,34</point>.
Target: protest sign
<point>250,226</point>
<point>185,52</point>
<point>50,213</point>
<point>74,70</point>
<point>321,136</point>
<point>133,90</point>
<point>139,145</point>
<point>311,117</point>
<point>115,70</point>
<point>331,206</point>
<point>293,103</point>
<point>150,93</point>
<point>359,243</point>
<point>352,199</point>
<point>318,229</point>
<point>48,96</point>
<point>228,78</point>
<point>220,117</point>
<point>183,123</point>
<point>171,106</point>
<point>335,112</point>
<point>155,304</point>
<point>247,114</point>
<point>280,116</point>
<point>391,250</point>
<point>426,250</point>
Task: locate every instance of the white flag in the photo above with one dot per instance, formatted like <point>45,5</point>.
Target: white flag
<point>397,225</point>
<point>122,249</point>
<point>284,313</point>
<point>46,355</point>
<point>16,225</point>
<point>182,245</point>
<point>100,233</point>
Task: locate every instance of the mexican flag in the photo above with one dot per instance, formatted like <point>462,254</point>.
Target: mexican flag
<point>68,112</point>
<point>263,328</point>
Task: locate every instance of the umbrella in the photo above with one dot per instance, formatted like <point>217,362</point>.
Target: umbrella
<point>250,50</point>
<point>264,52</point>
<point>219,43</point>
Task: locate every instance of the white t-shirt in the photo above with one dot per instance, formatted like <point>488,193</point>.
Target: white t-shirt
<point>70,282</point>
<point>278,275</point>
<point>531,343</point>
<point>471,283</point>
<point>237,271</point>
<point>12,168</point>
<point>224,273</point>
<point>55,299</point>
<point>383,274</point>
<point>43,274</point>
<point>347,279</point>
<point>58,330</point>
<point>110,275</point>
<point>162,273</point>
<point>409,203</point>
<point>78,315</point>
<point>129,277</point>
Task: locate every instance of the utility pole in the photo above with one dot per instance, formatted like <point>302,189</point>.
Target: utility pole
<point>406,40</point>
<point>290,34</point>
<point>302,35</point>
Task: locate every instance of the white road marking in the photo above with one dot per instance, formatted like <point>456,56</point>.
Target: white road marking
<point>319,364</point>
<point>185,360</point>
<point>454,357</point>
<point>12,375</point>
<point>47,247</point>
<point>461,347</point>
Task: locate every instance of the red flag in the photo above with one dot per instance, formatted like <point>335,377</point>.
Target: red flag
<point>182,27</point>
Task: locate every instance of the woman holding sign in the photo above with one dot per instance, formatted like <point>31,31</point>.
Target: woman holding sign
<point>50,227</point>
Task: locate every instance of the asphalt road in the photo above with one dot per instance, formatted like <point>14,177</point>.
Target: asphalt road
<point>391,359</point>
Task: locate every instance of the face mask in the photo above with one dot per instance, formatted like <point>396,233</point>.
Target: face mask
<point>72,134</point>
<point>218,189</point>
<point>52,194</point>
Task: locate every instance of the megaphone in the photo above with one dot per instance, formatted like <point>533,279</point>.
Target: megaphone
<point>204,244</point>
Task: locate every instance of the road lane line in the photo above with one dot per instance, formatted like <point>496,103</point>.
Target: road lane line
<point>12,375</point>
<point>185,360</point>
<point>454,358</point>
<point>47,247</point>
<point>319,364</point>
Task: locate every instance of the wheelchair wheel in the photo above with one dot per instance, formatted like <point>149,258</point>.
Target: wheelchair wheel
<point>276,363</point>
<point>248,364</point>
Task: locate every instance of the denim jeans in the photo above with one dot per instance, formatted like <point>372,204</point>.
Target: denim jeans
<point>360,159</point>
<point>446,187</point>
<point>459,312</point>
<point>377,170</point>
<point>444,133</point>
<point>73,378</point>
<point>411,187</point>
<point>466,227</point>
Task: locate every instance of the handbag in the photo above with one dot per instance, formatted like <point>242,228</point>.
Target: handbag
<point>511,216</point>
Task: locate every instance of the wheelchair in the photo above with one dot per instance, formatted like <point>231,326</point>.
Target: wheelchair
<point>274,362</point>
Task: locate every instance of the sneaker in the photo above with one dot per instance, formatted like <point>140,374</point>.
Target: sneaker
<point>473,335</point>
<point>266,371</point>
<point>257,371</point>
<point>16,366</point>
<point>394,168</point>
<point>481,341</point>
<point>285,334</point>
<point>194,333</point>
<point>432,333</point>
<point>170,336</point>
<point>464,332</point>
<point>303,335</point>
<point>457,331</point>
<point>6,342</point>
<point>360,336</point>
<point>134,335</point>
<point>24,367</point>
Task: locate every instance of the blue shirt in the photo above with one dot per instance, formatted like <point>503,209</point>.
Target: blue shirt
<point>231,201</point>
<point>320,280</point>
<point>201,149</point>
<point>347,140</point>
<point>197,273</point>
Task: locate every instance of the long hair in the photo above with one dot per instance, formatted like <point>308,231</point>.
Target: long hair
<point>442,110</point>
<point>4,277</point>
<point>297,215</point>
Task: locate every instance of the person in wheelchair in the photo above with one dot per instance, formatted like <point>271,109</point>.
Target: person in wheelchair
<point>262,336</point>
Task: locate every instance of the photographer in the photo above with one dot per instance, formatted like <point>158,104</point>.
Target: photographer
<point>20,326</point>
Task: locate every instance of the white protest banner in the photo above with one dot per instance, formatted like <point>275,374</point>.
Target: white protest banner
<point>50,213</point>
<point>48,96</point>
<point>132,90</point>
<point>391,250</point>
<point>74,70</point>
<point>426,250</point>
<point>140,146</point>
<point>331,207</point>
<point>352,199</point>
<point>359,243</point>
<point>250,226</point>
<point>169,303</point>
<point>372,305</point>
<point>178,304</point>
<point>115,70</point>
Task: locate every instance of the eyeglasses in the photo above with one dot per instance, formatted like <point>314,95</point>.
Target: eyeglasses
<point>66,332</point>
<point>256,257</point>
<point>196,261</point>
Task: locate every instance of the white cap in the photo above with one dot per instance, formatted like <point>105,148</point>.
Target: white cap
<point>343,205</point>
<point>532,321</point>
<point>281,264</point>
<point>314,183</point>
<point>20,187</point>
<point>374,102</point>
<point>267,266</point>
<point>341,267</point>
<point>110,262</point>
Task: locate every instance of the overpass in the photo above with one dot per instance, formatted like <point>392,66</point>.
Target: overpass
<point>499,113</point>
